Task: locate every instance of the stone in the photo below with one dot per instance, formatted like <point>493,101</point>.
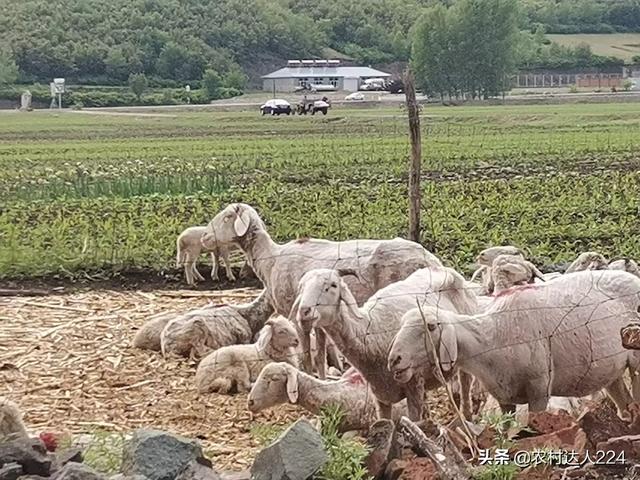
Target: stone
<point>30,454</point>
<point>159,455</point>
<point>120,476</point>
<point>549,422</point>
<point>601,422</point>
<point>11,471</point>
<point>70,455</point>
<point>198,471</point>
<point>244,475</point>
<point>380,442</point>
<point>570,438</point>
<point>394,469</point>
<point>77,471</point>
<point>25,101</point>
<point>296,455</point>
<point>629,444</point>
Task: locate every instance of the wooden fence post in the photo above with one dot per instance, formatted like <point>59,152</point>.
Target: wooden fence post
<point>416,156</point>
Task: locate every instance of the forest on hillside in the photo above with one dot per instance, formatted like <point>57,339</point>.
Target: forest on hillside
<point>175,41</point>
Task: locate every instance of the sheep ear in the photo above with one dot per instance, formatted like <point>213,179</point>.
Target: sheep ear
<point>448,349</point>
<point>242,223</point>
<point>265,337</point>
<point>292,384</point>
<point>536,273</point>
<point>348,304</point>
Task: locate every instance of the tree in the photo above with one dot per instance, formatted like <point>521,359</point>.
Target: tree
<point>212,82</point>
<point>138,84</point>
<point>8,68</point>
<point>235,78</point>
<point>469,48</point>
<point>178,62</point>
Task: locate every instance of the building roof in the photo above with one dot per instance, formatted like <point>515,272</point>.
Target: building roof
<point>310,72</point>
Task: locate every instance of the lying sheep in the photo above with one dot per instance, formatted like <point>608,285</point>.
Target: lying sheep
<point>365,334</point>
<point>587,261</point>
<point>148,337</point>
<point>237,366</point>
<point>560,338</point>
<point>377,263</point>
<point>280,383</point>
<point>625,264</point>
<point>11,424</point>
<point>189,245</point>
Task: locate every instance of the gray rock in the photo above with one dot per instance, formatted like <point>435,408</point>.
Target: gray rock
<point>159,455</point>
<point>30,454</point>
<point>77,471</point>
<point>296,455</point>
<point>120,476</point>
<point>197,471</point>
<point>245,475</point>
<point>11,471</point>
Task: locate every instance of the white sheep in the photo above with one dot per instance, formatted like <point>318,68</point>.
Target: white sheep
<point>485,259</point>
<point>587,261</point>
<point>11,425</point>
<point>560,338</point>
<point>509,270</point>
<point>279,267</point>
<point>209,328</point>
<point>365,334</point>
<point>280,383</point>
<point>625,264</point>
<point>238,366</point>
<point>189,245</point>
<point>148,336</point>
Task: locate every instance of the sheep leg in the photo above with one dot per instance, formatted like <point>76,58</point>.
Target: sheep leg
<point>188,274</point>
<point>384,409</point>
<point>619,394</point>
<point>227,266</point>
<point>466,404</point>
<point>321,355</point>
<point>215,261</point>
<point>508,407</point>
<point>305,338</point>
<point>333,357</point>
<point>195,271</point>
<point>635,385</point>
<point>243,379</point>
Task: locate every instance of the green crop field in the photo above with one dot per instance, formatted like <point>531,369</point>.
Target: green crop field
<point>620,45</point>
<point>82,193</point>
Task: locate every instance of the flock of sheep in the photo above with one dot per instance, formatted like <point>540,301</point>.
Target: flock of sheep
<point>372,325</point>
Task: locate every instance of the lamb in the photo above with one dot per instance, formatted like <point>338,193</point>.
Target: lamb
<point>148,337</point>
<point>509,270</point>
<point>485,259</point>
<point>237,366</point>
<point>11,424</point>
<point>587,261</point>
<point>281,383</point>
<point>189,245</point>
<point>365,334</point>
<point>199,332</point>
<point>280,266</point>
<point>560,338</point>
<point>625,264</point>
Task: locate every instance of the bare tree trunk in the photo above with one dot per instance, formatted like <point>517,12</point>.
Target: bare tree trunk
<point>416,156</point>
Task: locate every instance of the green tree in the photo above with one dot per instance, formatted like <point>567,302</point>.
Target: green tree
<point>235,78</point>
<point>138,84</point>
<point>211,82</point>
<point>8,68</point>
<point>178,62</point>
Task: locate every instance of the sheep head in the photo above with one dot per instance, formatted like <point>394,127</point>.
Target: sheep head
<point>277,383</point>
<point>231,224</point>
<point>488,255</point>
<point>182,336</point>
<point>626,264</point>
<point>323,296</point>
<point>278,334</point>
<point>588,261</point>
<point>411,350</point>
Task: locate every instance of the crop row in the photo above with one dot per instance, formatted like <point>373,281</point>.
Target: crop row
<point>553,217</point>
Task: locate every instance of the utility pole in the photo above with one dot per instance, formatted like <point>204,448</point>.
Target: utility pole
<point>415,166</point>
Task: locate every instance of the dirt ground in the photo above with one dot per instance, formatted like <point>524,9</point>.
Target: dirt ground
<point>67,360</point>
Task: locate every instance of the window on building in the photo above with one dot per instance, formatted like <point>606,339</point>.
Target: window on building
<point>303,81</point>
<point>333,81</point>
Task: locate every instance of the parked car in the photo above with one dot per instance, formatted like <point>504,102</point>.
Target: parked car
<point>320,106</point>
<point>276,106</point>
<point>355,96</point>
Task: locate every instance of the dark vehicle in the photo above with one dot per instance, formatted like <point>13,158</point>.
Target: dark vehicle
<point>395,86</point>
<point>276,107</point>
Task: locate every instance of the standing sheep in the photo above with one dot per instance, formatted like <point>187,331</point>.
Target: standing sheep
<point>625,264</point>
<point>239,365</point>
<point>485,259</point>
<point>365,334</point>
<point>11,424</point>
<point>509,270</point>
<point>279,267</point>
<point>587,261</point>
<point>189,245</point>
<point>280,383</point>
<point>561,338</point>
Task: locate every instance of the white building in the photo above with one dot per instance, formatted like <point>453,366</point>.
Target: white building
<point>325,72</point>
